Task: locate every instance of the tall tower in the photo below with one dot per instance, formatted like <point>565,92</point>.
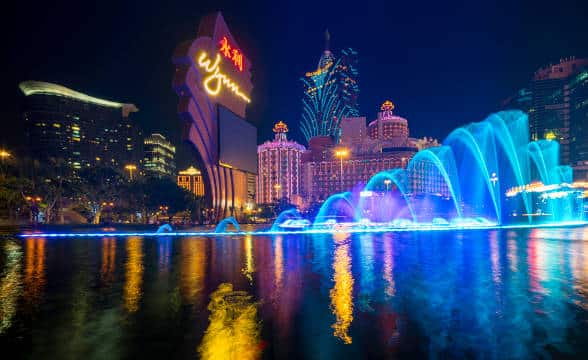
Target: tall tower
<point>279,167</point>
<point>330,93</point>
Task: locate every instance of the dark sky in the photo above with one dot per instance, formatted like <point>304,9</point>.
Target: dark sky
<point>443,63</point>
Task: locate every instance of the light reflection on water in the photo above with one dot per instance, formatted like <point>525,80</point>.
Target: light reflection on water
<point>489,294</point>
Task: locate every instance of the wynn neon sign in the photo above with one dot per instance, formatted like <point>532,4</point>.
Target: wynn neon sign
<point>215,79</point>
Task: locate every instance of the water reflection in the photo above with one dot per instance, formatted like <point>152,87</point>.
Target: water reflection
<point>249,259</point>
<point>192,269</point>
<point>488,294</point>
<point>388,275</point>
<point>108,260</point>
<point>10,284</point>
<point>34,274</point>
<point>234,329</point>
<point>134,273</point>
<point>342,292</point>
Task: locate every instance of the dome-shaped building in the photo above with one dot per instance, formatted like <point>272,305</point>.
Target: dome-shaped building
<point>390,129</point>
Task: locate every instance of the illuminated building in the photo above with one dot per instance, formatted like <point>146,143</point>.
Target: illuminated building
<point>191,180</point>
<point>213,82</point>
<point>159,156</point>
<point>330,93</point>
<point>80,129</point>
<point>278,167</point>
<point>552,104</point>
<point>382,145</point>
<point>578,87</point>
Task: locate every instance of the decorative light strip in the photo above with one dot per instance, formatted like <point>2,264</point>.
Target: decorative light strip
<point>213,82</point>
<point>423,228</point>
<point>40,87</point>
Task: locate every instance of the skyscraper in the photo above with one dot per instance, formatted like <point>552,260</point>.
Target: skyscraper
<point>578,87</point>
<point>82,130</point>
<point>330,93</point>
<point>279,167</point>
<point>159,156</point>
<point>550,117</point>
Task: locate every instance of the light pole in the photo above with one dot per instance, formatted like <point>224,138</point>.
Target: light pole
<point>387,182</point>
<point>341,153</point>
<point>131,168</point>
<point>494,179</point>
<point>4,155</point>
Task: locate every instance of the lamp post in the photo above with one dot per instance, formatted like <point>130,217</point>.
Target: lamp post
<point>3,156</point>
<point>278,187</point>
<point>387,182</point>
<point>131,168</point>
<point>494,179</point>
<point>340,153</point>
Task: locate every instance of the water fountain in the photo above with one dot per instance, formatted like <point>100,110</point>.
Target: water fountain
<point>222,226</point>
<point>473,169</point>
<point>485,175</point>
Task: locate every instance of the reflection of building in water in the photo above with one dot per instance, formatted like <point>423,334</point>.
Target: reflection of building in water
<point>342,293</point>
<point>278,264</point>
<point>192,269</point>
<point>389,267</point>
<point>234,329</point>
<point>108,259</point>
<point>134,273</point>
<point>249,259</point>
<point>34,272</point>
<point>10,285</point>
<point>164,244</point>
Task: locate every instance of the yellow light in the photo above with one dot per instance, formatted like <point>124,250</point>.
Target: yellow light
<point>213,82</point>
<point>550,136</point>
<point>341,152</point>
<point>134,274</point>
<point>234,329</point>
<point>342,293</point>
<point>4,154</point>
<point>131,167</point>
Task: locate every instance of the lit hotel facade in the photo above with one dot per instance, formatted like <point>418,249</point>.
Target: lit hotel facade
<point>362,152</point>
<point>279,163</point>
<point>191,180</point>
<point>84,131</point>
<point>159,158</point>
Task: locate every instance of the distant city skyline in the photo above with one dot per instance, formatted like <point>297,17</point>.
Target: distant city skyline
<point>456,74</point>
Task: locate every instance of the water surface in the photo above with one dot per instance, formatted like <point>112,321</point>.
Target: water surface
<point>477,294</point>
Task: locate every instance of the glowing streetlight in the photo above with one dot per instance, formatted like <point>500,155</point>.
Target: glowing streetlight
<point>131,168</point>
<point>277,187</point>
<point>387,182</point>
<point>494,179</point>
<point>341,153</point>
<point>4,154</point>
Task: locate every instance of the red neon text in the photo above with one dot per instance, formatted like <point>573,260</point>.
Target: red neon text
<point>231,53</point>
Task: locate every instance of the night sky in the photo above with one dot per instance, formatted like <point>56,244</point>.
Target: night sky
<point>443,63</point>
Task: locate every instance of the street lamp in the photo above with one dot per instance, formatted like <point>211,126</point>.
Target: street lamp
<point>131,168</point>
<point>387,182</point>
<point>341,153</point>
<point>278,187</point>
<point>494,179</point>
<point>4,155</point>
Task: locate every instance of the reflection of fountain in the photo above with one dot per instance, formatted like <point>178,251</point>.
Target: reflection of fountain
<point>234,330</point>
<point>222,226</point>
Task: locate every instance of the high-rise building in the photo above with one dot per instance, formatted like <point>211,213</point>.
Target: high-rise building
<point>578,87</point>
<point>80,129</point>
<point>279,168</point>
<point>330,93</point>
<point>550,117</point>
<point>191,180</point>
<point>159,156</point>
<point>521,100</point>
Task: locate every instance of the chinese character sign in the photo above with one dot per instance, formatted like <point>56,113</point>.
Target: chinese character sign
<point>231,53</point>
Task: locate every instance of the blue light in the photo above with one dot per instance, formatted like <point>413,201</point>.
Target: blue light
<point>376,229</point>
